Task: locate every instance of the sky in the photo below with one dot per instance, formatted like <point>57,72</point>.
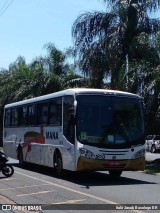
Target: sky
<point>27,25</point>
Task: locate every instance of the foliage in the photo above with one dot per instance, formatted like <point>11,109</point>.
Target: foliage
<point>111,34</point>
<point>117,49</point>
<point>152,167</point>
<point>42,76</point>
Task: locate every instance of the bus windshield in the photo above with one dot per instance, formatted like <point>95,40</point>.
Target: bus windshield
<point>109,121</point>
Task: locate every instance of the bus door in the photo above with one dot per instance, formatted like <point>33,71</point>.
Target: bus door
<point>69,132</point>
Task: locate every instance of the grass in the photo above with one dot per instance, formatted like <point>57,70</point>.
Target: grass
<point>153,167</point>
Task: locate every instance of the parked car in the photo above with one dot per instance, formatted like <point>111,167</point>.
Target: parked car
<point>153,143</point>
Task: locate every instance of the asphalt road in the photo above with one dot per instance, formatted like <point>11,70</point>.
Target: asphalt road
<point>37,186</point>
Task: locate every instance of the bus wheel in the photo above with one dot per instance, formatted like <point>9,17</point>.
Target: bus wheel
<point>58,166</point>
<point>115,173</point>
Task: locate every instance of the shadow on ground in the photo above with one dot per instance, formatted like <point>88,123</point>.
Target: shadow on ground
<point>86,179</point>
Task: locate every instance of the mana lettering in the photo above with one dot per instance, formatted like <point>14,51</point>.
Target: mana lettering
<point>52,135</point>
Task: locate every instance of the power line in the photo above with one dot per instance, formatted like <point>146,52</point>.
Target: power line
<point>5,7</point>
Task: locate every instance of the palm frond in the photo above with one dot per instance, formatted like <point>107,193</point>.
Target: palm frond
<point>91,27</point>
<point>152,5</point>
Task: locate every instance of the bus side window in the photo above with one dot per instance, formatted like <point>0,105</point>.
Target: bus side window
<point>7,121</point>
<point>22,116</point>
<point>68,124</point>
<point>52,114</point>
<point>55,112</point>
<point>32,114</point>
<point>14,119</point>
<point>42,110</point>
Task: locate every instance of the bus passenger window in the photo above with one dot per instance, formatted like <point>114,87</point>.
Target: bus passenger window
<point>55,112</point>
<point>42,113</point>
<point>52,114</point>
<point>14,119</point>
<point>22,116</point>
<point>7,118</point>
<point>32,116</point>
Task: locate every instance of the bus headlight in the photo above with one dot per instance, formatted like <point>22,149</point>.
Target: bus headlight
<point>139,154</point>
<point>86,153</point>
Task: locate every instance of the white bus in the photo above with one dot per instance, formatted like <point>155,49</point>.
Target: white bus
<point>77,130</point>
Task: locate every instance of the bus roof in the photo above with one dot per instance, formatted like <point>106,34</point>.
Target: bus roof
<point>73,91</point>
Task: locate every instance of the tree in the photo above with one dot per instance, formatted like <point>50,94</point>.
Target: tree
<point>56,60</point>
<point>45,82</point>
<point>144,79</point>
<point>113,33</point>
<point>57,65</point>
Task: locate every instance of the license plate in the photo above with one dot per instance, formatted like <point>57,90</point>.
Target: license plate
<point>114,163</point>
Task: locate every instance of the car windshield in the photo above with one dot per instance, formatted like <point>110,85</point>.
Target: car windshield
<point>150,137</point>
<point>157,137</point>
<point>108,120</point>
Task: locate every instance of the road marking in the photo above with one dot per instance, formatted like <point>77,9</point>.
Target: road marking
<point>69,189</point>
<point>34,193</point>
<point>75,191</point>
<point>7,179</point>
<point>21,187</point>
<point>68,201</point>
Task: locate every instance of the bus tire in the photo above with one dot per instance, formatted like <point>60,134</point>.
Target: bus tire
<point>58,165</point>
<point>115,173</point>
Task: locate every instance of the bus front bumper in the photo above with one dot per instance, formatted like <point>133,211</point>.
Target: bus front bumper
<point>106,165</point>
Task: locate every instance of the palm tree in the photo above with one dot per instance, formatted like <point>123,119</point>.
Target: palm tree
<point>44,80</point>
<point>60,69</point>
<point>56,60</point>
<point>113,32</point>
